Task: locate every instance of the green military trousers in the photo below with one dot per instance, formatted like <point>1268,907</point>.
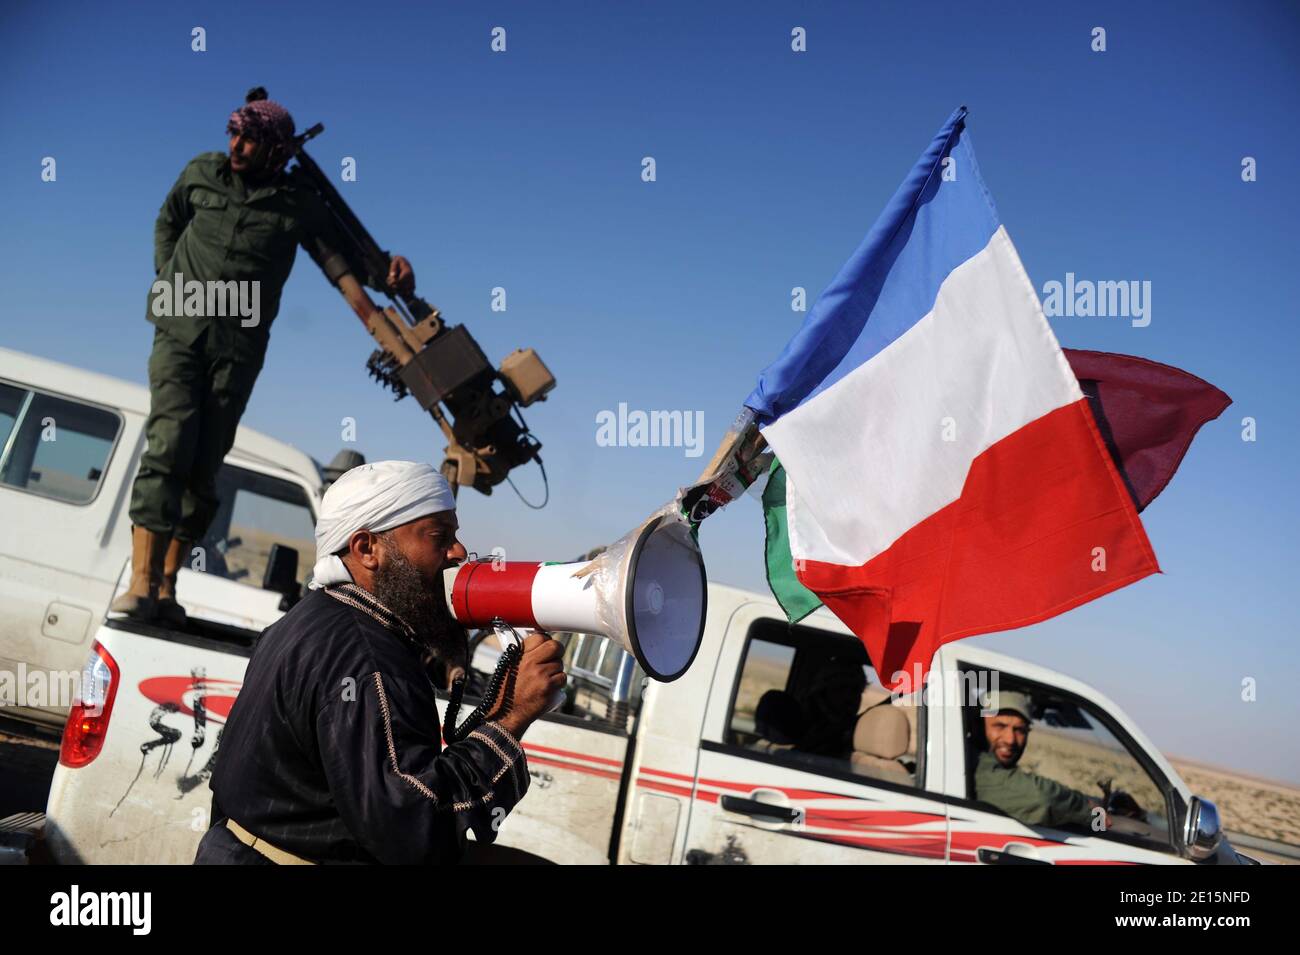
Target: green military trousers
<point>197,394</point>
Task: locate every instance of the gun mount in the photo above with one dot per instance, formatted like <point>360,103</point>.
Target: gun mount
<point>441,366</point>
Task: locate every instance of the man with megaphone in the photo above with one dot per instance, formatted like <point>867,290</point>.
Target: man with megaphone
<point>331,752</point>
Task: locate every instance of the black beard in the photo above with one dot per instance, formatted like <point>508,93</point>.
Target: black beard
<point>399,587</point>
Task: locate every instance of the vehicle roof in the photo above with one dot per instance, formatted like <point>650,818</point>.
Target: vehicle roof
<point>978,656</point>
<point>250,446</point>
<point>732,597</point>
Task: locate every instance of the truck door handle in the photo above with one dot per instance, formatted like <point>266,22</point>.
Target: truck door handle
<point>753,807</point>
<point>993,857</point>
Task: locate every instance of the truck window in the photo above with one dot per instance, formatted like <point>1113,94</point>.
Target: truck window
<point>11,404</point>
<point>55,447</point>
<point>1058,765</point>
<point>256,511</point>
<point>811,699</point>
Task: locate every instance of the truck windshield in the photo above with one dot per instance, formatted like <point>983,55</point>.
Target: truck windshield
<point>256,511</point>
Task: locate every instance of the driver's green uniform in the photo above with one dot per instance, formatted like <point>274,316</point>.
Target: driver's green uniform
<point>1029,798</point>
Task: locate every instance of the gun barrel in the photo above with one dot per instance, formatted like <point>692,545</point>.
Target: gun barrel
<point>441,367</point>
<point>373,262</point>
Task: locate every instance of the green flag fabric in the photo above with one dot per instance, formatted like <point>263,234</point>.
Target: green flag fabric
<point>795,599</point>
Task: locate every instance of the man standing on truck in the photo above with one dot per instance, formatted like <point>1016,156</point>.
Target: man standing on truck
<point>228,231</point>
<point>1027,797</point>
<point>332,751</point>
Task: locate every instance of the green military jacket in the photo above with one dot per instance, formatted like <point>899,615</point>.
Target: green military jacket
<point>214,228</point>
<point>1029,798</point>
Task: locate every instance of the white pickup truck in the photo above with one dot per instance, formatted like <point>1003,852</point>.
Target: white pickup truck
<point>777,746</point>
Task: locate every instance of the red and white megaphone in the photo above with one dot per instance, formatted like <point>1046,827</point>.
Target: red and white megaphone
<point>647,592</point>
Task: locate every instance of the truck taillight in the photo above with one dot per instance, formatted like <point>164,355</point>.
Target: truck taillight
<point>83,734</point>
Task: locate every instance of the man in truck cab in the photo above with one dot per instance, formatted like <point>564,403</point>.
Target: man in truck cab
<point>332,751</point>
<point>229,228</point>
<point>1027,797</point>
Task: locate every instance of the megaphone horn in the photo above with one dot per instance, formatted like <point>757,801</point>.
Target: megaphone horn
<point>647,592</point>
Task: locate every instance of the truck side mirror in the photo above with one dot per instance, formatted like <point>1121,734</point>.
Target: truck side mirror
<point>1201,833</point>
<point>281,575</point>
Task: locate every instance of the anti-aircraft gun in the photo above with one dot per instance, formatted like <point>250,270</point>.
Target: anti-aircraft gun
<point>441,366</point>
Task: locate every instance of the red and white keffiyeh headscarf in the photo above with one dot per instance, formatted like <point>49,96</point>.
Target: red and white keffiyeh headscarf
<point>263,121</point>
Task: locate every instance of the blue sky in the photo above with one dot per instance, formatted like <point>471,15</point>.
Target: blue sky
<point>522,170</point>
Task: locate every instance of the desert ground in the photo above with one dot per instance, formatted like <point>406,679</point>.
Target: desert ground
<point>1256,807</point>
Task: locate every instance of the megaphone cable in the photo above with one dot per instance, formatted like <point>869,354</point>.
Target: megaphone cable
<point>507,667</point>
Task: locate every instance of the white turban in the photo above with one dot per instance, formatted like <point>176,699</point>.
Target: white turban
<point>374,497</point>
